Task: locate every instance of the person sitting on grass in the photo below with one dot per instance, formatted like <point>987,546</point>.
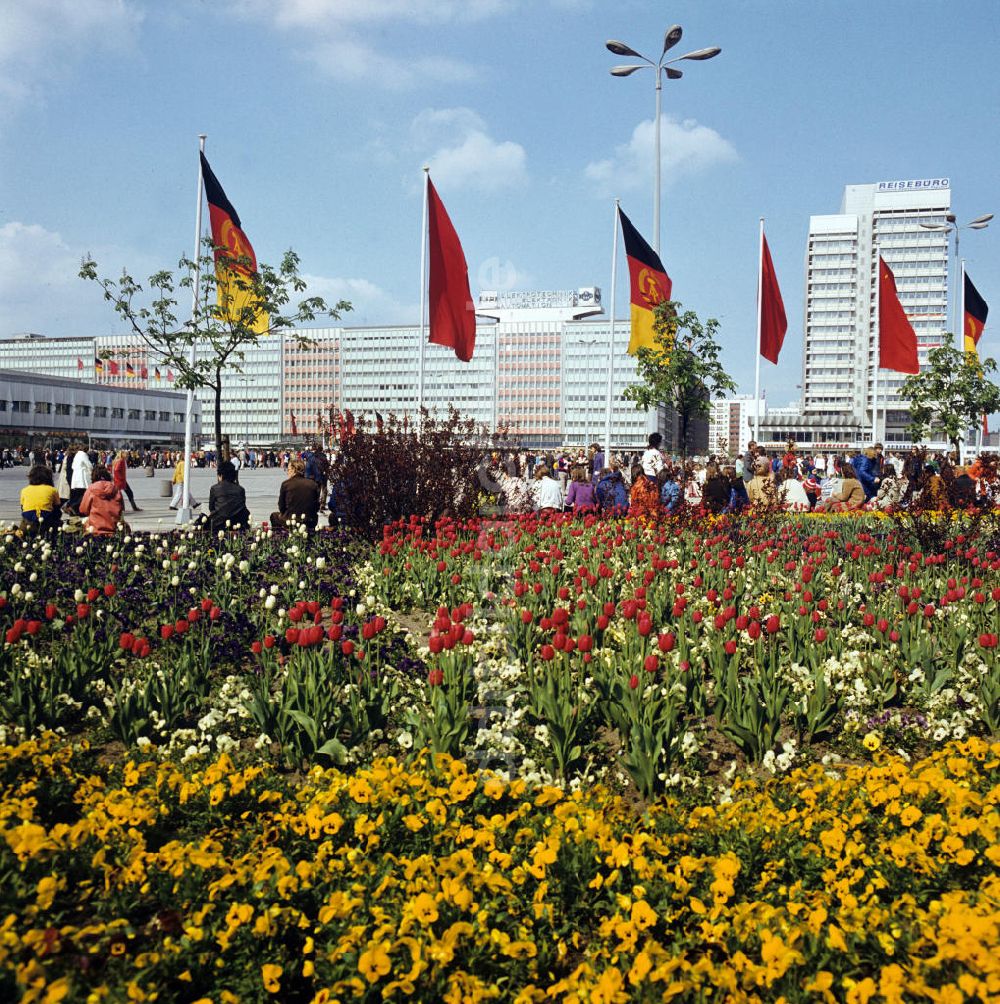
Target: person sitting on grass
<point>102,504</point>
<point>227,501</point>
<point>298,499</point>
<point>40,503</point>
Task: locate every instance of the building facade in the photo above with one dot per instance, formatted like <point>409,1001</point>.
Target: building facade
<point>730,427</point>
<point>540,370</point>
<point>48,410</point>
<point>839,396</point>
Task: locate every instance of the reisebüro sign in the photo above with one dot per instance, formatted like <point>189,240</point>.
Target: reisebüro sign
<point>912,186</point>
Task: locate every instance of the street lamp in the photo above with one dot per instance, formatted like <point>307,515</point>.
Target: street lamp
<point>949,228</point>
<point>662,66</point>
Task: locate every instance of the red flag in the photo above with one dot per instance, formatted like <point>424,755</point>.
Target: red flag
<point>170,376</point>
<point>144,373</point>
<point>350,422</point>
<point>452,313</point>
<point>295,427</point>
<point>773,324</point>
<point>897,341</point>
<point>79,364</point>
<point>113,367</point>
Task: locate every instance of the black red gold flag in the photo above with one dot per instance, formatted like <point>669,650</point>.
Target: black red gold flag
<point>976,310</point>
<point>235,261</point>
<point>650,285</point>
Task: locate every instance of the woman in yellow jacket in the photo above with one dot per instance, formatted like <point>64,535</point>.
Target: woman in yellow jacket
<point>178,481</point>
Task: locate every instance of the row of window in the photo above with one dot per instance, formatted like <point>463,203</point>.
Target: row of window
<point>85,411</point>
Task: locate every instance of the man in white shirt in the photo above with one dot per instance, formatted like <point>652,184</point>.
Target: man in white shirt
<point>652,459</point>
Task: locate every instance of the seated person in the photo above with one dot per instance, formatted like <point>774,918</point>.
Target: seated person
<point>298,499</point>
<point>40,502</point>
<point>227,501</point>
<point>102,504</point>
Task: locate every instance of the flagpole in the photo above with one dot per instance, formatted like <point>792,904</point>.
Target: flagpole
<point>760,306</point>
<point>184,512</point>
<point>961,328</point>
<point>423,305</point>
<point>878,341</point>
<point>609,404</point>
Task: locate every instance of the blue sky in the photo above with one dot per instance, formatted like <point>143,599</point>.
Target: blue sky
<point>321,113</point>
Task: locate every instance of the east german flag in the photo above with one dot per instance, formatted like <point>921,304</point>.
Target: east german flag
<point>233,276</point>
<point>650,285</point>
<point>130,370</point>
<point>98,365</point>
<point>976,310</point>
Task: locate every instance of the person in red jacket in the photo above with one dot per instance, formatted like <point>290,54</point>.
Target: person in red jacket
<point>119,473</point>
<point>102,504</point>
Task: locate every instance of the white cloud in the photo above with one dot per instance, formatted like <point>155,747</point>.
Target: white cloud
<point>42,39</point>
<point>320,13</point>
<point>332,39</point>
<point>461,153</point>
<point>38,281</point>
<point>370,303</point>
<point>348,58</point>
<point>686,148</point>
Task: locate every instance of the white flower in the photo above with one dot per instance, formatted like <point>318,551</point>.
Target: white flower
<point>269,603</point>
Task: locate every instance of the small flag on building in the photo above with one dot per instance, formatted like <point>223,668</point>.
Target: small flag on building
<point>98,365</point>
<point>379,424</point>
<point>650,285</point>
<point>156,374</point>
<point>130,371</point>
<point>113,367</point>
<point>143,373</point>
<point>295,425</point>
<point>79,365</point>
<point>170,377</point>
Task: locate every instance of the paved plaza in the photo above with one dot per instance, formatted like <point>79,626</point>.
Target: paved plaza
<point>261,487</point>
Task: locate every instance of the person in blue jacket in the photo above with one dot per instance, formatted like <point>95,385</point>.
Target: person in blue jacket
<point>866,468</point>
<point>611,490</point>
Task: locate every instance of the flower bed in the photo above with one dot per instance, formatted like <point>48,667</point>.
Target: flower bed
<point>750,756</point>
<point>146,881</point>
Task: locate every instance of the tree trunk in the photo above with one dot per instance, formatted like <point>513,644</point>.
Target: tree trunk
<point>683,416</point>
<point>957,444</point>
<point>218,417</point>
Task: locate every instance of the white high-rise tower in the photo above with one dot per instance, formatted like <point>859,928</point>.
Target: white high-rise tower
<point>841,278</point>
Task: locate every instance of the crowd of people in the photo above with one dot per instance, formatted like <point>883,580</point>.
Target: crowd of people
<point>90,487</point>
<point>652,483</point>
<point>93,487</point>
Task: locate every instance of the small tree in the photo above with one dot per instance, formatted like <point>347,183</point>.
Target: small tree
<point>388,472</point>
<point>951,395</point>
<point>255,306</point>
<point>683,370</point>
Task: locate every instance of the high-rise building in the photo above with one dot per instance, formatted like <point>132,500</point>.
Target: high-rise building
<point>839,364</point>
<point>730,426</point>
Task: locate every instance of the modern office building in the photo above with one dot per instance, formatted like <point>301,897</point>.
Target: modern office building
<point>56,411</point>
<point>730,427</point>
<point>540,369</point>
<point>839,364</point>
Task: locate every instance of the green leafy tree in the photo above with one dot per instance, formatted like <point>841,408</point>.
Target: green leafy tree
<point>258,304</point>
<point>951,395</point>
<point>683,370</point>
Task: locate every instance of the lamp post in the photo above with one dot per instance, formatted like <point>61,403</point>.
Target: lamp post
<point>949,228</point>
<point>662,66</point>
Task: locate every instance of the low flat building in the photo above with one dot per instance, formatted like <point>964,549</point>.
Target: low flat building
<point>48,410</point>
